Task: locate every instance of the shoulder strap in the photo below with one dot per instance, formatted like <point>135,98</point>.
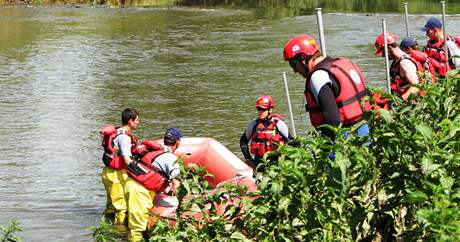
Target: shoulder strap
<point>151,166</point>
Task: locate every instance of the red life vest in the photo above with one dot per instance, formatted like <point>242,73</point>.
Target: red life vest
<point>352,90</point>
<point>399,85</point>
<point>266,136</point>
<point>429,64</point>
<point>154,179</point>
<point>436,51</point>
<point>111,157</point>
<point>147,146</point>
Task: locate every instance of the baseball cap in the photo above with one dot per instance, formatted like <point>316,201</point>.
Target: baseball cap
<point>408,42</point>
<point>173,134</point>
<point>432,23</point>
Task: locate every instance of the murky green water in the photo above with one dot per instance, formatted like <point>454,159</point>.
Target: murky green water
<point>64,72</point>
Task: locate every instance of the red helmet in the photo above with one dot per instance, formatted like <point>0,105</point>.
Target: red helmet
<point>265,102</point>
<point>302,43</point>
<point>380,42</point>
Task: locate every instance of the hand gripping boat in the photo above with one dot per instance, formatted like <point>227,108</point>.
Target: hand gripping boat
<point>225,167</point>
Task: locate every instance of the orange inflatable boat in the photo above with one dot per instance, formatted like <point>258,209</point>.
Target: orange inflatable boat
<point>215,158</point>
<point>225,167</point>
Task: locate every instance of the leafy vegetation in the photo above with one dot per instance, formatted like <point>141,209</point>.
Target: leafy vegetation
<point>404,186</point>
<point>105,232</point>
<point>7,234</point>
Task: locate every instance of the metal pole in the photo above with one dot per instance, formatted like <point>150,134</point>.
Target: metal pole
<point>321,31</point>
<point>387,62</point>
<point>406,15</point>
<point>289,104</point>
<point>443,7</point>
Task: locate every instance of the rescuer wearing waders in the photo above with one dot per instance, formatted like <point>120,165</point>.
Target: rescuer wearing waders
<point>119,149</point>
<point>404,69</point>
<point>334,87</point>
<point>154,172</point>
<point>265,133</point>
<point>435,45</point>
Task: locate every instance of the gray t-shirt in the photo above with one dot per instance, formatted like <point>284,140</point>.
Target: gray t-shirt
<point>122,143</point>
<point>454,53</point>
<point>167,162</point>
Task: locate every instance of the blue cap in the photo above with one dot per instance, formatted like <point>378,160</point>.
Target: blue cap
<point>432,23</point>
<point>173,134</point>
<point>408,42</point>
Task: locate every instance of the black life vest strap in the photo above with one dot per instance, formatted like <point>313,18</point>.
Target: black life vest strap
<point>152,167</point>
<point>357,97</point>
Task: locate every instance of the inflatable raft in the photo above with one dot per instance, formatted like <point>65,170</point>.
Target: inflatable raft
<point>208,153</point>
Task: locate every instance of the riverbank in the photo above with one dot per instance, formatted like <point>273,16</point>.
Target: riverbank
<point>151,3</point>
<point>269,7</point>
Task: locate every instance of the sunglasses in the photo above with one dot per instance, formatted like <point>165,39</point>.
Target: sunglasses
<point>262,109</point>
<point>293,62</point>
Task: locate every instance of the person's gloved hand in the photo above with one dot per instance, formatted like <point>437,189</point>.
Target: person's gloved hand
<point>136,169</point>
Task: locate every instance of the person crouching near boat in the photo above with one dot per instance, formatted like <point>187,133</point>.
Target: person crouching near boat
<point>265,133</point>
<point>153,173</point>
<point>119,149</point>
<point>334,87</point>
<point>404,69</point>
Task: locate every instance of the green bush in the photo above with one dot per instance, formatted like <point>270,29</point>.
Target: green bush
<point>404,186</point>
<point>7,234</point>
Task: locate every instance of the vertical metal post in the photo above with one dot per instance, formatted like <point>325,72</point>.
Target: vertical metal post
<point>387,62</point>
<point>289,104</point>
<point>443,7</point>
<point>321,31</point>
<point>406,16</point>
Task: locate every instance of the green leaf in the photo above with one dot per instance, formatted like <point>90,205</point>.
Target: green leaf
<point>416,196</point>
<point>424,129</point>
<point>275,189</point>
<point>386,115</point>
<point>237,235</point>
<point>447,183</point>
<point>284,203</point>
<point>297,222</point>
<point>427,166</point>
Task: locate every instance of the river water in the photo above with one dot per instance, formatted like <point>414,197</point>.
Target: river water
<point>64,72</point>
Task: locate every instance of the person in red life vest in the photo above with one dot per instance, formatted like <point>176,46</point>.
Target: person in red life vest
<point>404,69</point>
<point>435,45</point>
<point>265,133</point>
<point>430,65</point>
<point>155,172</point>
<point>334,87</point>
<point>119,148</point>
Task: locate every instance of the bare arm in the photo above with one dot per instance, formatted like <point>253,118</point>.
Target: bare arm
<point>409,71</point>
<point>127,159</point>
